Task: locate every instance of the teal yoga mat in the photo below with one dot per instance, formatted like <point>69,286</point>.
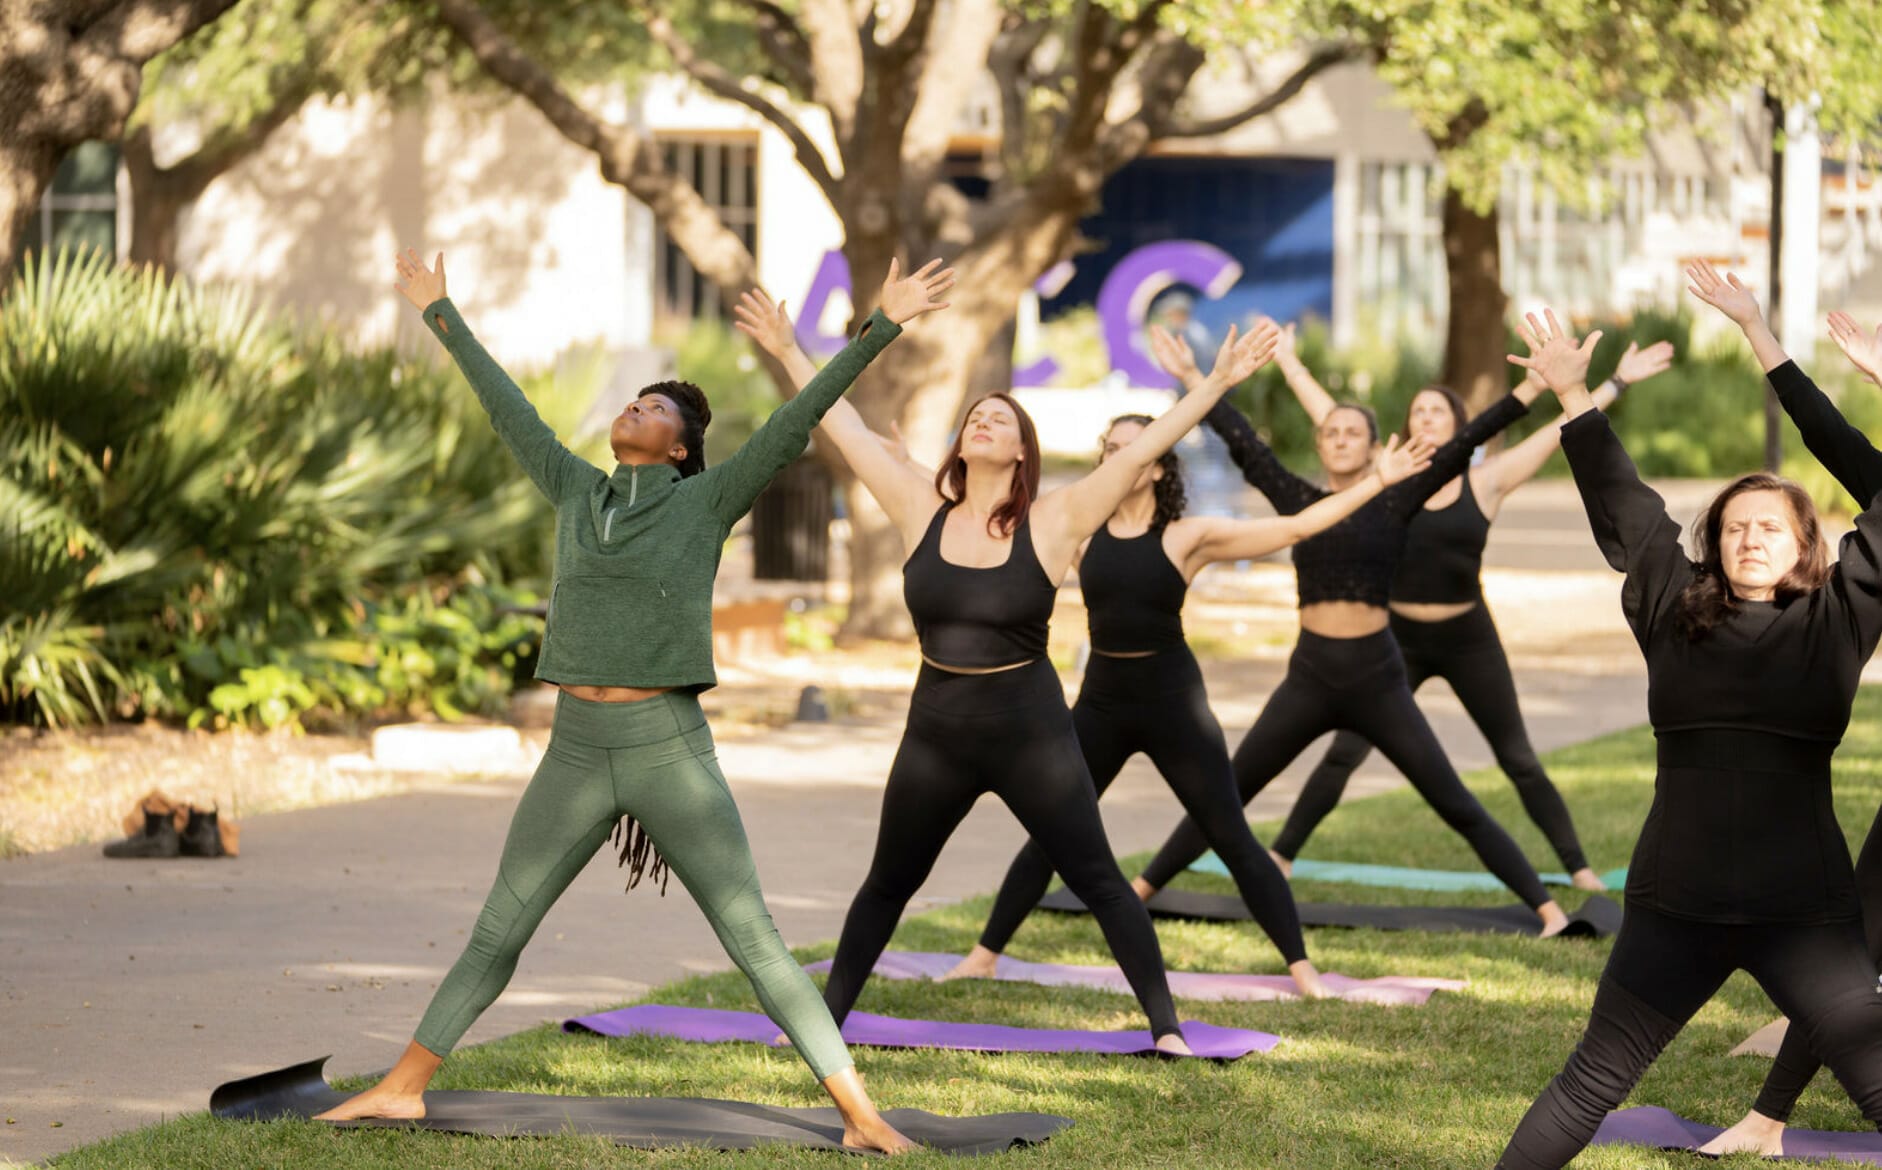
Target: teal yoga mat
<point>1400,877</point>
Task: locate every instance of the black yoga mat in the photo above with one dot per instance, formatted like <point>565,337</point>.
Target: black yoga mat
<point>1598,919</point>
<point>642,1122</point>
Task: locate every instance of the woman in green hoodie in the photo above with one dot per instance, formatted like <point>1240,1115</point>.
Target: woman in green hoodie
<point>629,642</point>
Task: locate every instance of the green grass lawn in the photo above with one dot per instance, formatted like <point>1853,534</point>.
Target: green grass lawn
<point>1352,1085</point>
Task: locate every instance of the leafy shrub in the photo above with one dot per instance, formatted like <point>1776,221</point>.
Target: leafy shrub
<point>191,488</point>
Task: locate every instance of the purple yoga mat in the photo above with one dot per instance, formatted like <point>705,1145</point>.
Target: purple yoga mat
<point>1662,1129</point>
<point>1392,989</point>
<point>712,1025</point>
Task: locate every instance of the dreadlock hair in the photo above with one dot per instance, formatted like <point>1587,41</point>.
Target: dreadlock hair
<point>695,417</point>
<point>1708,600</point>
<point>1170,494</point>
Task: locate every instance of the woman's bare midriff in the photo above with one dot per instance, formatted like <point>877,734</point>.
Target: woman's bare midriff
<point>1122,653</point>
<point>1343,619</point>
<point>611,694</point>
<point>977,669</point>
<point>1432,611</point>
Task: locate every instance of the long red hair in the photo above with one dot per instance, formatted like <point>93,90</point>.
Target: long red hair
<point>951,479</point>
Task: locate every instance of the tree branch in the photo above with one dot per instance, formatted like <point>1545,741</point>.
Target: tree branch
<point>1165,124</point>
<point>628,159</point>
<point>718,81</point>
<point>139,30</point>
<point>784,41</point>
<point>836,61</point>
<point>946,78</point>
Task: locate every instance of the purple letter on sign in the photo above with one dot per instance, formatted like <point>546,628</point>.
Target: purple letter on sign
<point>1124,300</point>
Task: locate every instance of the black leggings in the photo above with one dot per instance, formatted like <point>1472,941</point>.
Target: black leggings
<point>1157,705</point>
<point>1011,734</point>
<point>1356,684</point>
<point>1465,652</point>
<point>1662,970</point>
<point>1796,1063</point>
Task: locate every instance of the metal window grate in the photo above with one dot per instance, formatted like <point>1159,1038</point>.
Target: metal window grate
<point>724,170</point>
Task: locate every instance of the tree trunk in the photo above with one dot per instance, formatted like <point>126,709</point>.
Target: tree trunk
<point>156,209</point>
<point>26,170</point>
<point>1475,362</point>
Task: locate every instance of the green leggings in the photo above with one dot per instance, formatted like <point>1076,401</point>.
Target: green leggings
<point>653,760</point>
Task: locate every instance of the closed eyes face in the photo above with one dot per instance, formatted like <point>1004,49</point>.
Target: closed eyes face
<point>1758,545</point>
<point>650,425</point>
<point>1344,442</point>
<point>991,433</point>
<point>1431,417</point>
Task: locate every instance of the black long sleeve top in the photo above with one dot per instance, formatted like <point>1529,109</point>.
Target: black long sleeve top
<point>1355,559</point>
<point>1746,717</point>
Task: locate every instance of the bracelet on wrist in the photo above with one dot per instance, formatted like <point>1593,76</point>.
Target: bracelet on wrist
<point>1620,385</point>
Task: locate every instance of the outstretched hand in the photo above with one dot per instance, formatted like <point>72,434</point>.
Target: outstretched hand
<point>1240,357</point>
<point>1401,462</point>
<point>1285,353</point>
<point>418,284</point>
<point>905,298</point>
<point>1173,354</point>
<point>1723,293</point>
<point>1862,349</point>
<point>1637,365</point>
<point>763,320</point>
<point>1553,354</point>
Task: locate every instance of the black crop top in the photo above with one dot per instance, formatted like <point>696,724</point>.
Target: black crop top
<point>1742,828</point>
<point>978,617</point>
<point>1355,559</point>
<point>1133,594</point>
<point>1443,559</point>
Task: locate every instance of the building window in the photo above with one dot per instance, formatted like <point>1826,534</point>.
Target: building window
<point>724,170</point>
<point>80,209</point>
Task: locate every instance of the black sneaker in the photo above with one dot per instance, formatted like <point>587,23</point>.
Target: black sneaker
<point>202,837</point>
<point>158,839</point>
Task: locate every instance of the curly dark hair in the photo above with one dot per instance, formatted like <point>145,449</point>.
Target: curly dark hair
<point>695,417</point>
<point>1171,496</point>
<point>1708,601</point>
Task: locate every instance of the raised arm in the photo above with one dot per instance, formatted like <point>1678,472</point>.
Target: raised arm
<point>905,492</point>
<point>1225,538</point>
<point>786,433</point>
<point>1311,395</point>
<point>1629,519</point>
<point>1261,469</point>
<point>1844,451</point>
<point>544,459</point>
<point>1857,578</point>
<point>1515,466</point>
<point>1064,517</point>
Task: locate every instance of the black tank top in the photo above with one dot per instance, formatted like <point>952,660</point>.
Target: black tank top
<point>1133,594</point>
<point>978,617</point>
<point>1443,559</point>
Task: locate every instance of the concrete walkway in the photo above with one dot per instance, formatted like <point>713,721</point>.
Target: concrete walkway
<point>130,989</point>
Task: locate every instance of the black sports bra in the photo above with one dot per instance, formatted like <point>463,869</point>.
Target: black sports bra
<point>971,617</point>
<point>1133,594</point>
<point>1443,560</point>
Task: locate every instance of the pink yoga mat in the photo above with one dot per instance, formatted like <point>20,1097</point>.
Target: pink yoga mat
<point>712,1025</point>
<point>1392,989</point>
<point>1662,1129</point>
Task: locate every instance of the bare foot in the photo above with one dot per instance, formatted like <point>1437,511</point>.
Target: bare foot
<point>1554,921</point>
<point>979,964</point>
<point>1587,879</point>
<point>1143,889</point>
<point>781,1040</point>
<point>377,1101</point>
<point>1284,864</point>
<point>873,1133</point>
<point>1307,980</point>
<point>1756,1132</point>
<point>1174,1045</point>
